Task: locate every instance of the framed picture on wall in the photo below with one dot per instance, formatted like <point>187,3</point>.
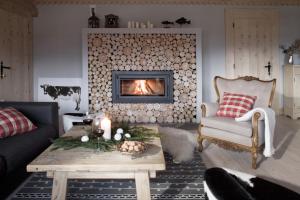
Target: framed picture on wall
<point>65,91</point>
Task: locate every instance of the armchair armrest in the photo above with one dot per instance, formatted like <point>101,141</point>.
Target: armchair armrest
<point>209,109</point>
<point>254,121</point>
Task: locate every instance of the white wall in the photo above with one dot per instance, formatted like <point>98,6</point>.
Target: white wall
<point>57,35</point>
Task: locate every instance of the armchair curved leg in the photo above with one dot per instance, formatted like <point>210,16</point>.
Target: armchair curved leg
<point>200,140</point>
<point>254,159</point>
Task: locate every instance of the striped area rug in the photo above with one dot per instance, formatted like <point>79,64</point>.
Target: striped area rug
<point>178,181</point>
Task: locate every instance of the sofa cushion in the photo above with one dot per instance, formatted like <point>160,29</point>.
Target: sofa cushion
<point>235,105</point>
<point>13,122</point>
<point>230,125</point>
<point>37,112</point>
<point>19,150</point>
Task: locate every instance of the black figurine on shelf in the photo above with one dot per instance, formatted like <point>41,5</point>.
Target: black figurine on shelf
<point>93,20</point>
<point>111,21</point>
<point>167,24</point>
<point>181,21</point>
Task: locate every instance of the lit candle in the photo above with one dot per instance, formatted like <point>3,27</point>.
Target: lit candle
<point>97,122</point>
<point>106,126</point>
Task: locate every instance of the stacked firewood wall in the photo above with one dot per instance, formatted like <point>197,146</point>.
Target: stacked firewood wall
<point>143,52</point>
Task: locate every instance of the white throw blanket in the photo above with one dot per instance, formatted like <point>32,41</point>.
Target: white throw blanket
<point>268,115</point>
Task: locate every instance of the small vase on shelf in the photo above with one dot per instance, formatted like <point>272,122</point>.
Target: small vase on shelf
<point>291,60</point>
<point>93,20</point>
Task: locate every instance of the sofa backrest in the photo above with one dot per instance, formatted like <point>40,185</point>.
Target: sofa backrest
<point>38,112</point>
<point>248,85</point>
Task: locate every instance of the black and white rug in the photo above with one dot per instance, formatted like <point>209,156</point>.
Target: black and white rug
<point>178,181</point>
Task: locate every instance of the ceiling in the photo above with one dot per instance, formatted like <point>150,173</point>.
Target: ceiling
<point>200,2</point>
<point>28,7</point>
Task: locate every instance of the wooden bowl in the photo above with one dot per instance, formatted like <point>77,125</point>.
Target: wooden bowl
<point>132,147</point>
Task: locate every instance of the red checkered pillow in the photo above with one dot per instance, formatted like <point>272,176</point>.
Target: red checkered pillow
<point>235,105</point>
<point>13,122</point>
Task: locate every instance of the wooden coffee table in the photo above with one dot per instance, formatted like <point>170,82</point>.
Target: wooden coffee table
<point>82,163</point>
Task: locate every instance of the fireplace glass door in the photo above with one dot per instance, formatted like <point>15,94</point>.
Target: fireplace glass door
<point>142,86</point>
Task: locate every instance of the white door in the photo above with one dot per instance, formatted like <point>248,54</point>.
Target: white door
<point>252,45</point>
<point>16,53</point>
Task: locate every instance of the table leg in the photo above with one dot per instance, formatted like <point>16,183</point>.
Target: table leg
<point>142,185</point>
<point>59,188</point>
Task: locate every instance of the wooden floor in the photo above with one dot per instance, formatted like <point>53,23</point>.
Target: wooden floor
<point>283,168</point>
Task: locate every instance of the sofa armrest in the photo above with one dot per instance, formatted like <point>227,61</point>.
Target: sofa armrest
<point>38,112</point>
<point>209,109</point>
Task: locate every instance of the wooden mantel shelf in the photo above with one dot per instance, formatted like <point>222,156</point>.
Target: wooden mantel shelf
<point>180,2</point>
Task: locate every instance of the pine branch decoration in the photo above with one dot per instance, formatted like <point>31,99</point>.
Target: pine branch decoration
<point>138,133</point>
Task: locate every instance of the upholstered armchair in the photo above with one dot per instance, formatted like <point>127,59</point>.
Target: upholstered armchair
<point>228,133</point>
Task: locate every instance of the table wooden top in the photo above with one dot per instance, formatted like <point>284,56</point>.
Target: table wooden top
<point>83,159</point>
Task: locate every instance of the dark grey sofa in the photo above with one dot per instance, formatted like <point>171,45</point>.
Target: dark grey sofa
<point>17,151</point>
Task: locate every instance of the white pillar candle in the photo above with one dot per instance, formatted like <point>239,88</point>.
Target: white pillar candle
<point>106,126</point>
<point>143,25</point>
<point>148,24</point>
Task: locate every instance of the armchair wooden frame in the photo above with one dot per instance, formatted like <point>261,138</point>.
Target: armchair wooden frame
<point>254,149</point>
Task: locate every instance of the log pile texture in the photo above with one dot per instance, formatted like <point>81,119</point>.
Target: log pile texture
<point>143,52</point>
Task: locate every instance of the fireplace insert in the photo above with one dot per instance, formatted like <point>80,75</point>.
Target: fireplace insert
<point>142,86</point>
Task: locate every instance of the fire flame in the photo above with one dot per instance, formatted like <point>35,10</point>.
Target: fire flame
<point>148,87</point>
<point>141,87</point>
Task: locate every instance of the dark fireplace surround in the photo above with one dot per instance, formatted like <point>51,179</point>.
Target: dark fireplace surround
<point>142,87</point>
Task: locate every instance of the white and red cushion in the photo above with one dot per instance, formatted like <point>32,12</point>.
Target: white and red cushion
<point>235,105</point>
<point>13,122</point>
